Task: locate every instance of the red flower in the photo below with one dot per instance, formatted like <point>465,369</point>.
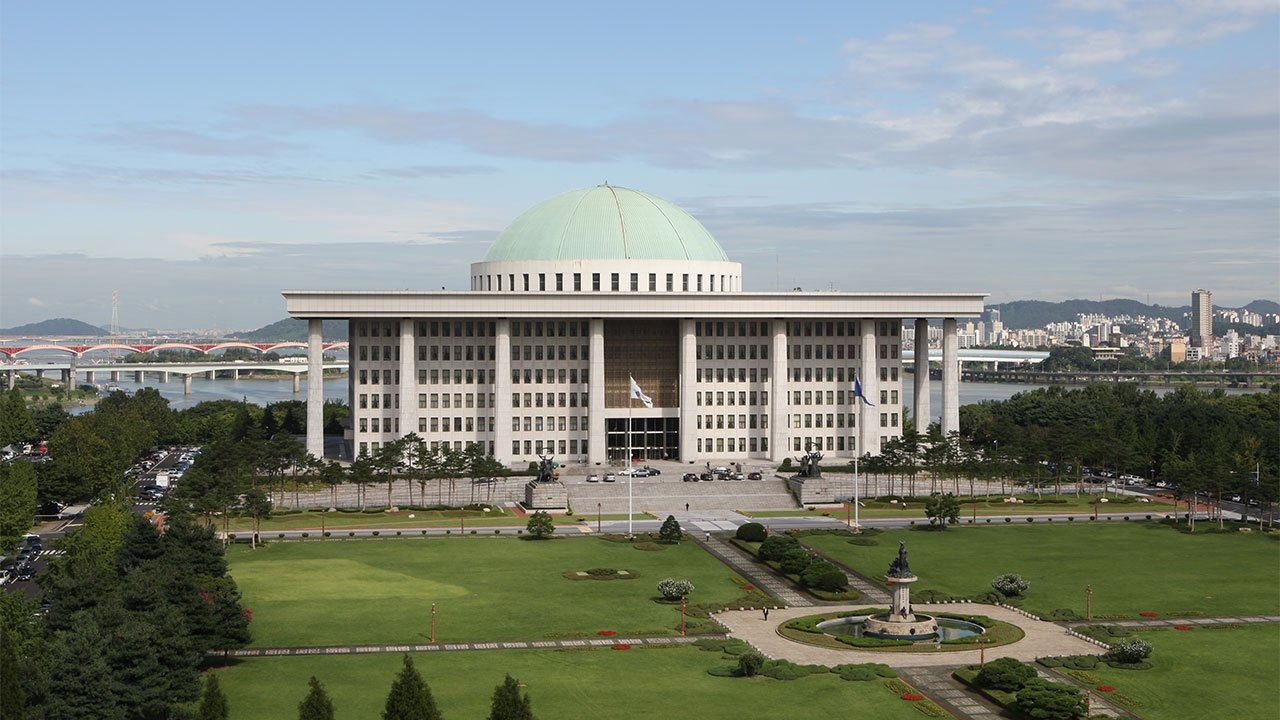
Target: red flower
<point>607,632</point>
<point>911,697</point>
<point>621,646</point>
<point>247,613</point>
<point>1181,627</point>
<point>746,587</point>
<point>1148,613</point>
<point>1105,688</point>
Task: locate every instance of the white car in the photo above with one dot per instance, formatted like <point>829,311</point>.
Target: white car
<point>593,478</point>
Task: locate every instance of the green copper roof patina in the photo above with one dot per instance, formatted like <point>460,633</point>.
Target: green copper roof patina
<point>605,223</point>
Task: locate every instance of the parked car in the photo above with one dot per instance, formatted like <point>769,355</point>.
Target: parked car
<point>610,477</point>
<point>755,476</point>
<point>593,478</point>
<point>690,477</point>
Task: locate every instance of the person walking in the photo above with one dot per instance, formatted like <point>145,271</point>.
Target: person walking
<point>766,612</point>
<point>686,507</point>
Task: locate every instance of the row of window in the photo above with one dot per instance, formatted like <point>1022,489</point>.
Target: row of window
<point>562,282</point>
<point>455,400</point>
<point>578,328</point>
<point>731,352</point>
<point>733,422</point>
<point>741,397</point>
<point>548,400</point>
<point>733,445</point>
<point>534,423</point>
<point>436,445</point>
<point>709,375</point>
<point>468,424</point>
<point>543,447</point>
<point>550,375</point>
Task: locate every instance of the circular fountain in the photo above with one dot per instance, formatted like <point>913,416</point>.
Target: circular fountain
<point>900,623</point>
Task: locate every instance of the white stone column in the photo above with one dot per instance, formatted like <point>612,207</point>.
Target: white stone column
<point>921,412</point>
<point>297,383</point>
<point>408,377</point>
<point>186,384</point>
<point>780,389</point>
<point>502,410</point>
<point>869,375</point>
<point>950,377</point>
<point>315,388</point>
<point>597,452</point>
<point>688,387</point>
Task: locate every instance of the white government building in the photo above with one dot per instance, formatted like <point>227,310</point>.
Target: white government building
<point>596,286</point>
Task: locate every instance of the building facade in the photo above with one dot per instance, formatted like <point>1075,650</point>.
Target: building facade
<point>1202,319</point>
<point>595,287</point>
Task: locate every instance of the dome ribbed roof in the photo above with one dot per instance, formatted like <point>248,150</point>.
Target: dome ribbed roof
<point>605,223</point>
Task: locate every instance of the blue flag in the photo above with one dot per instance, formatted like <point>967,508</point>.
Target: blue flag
<point>857,392</point>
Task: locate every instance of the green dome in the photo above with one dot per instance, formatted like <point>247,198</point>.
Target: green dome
<point>605,223</point>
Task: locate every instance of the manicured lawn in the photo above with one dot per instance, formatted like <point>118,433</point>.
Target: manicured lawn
<point>497,516</point>
<point>1132,567</point>
<point>637,684</point>
<point>993,507</point>
<point>1218,672</point>
<point>484,587</point>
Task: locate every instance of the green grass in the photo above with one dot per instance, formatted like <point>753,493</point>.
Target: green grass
<point>485,588</point>
<point>1217,672</point>
<point>637,684</point>
<point>1132,567</point>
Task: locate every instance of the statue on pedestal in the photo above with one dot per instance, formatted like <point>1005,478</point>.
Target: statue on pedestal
<point>899,567</point>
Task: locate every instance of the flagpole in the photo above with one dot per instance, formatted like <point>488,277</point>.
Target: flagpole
<point>630,477</point>
<point>857,454</point>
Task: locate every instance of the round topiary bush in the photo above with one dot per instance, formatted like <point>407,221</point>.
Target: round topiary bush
<point>1010,584</point>
<point>832,581</point>
<point>750,663</point>
<point>1005,674</point>
<point>752,532</point>
<point>674,588</point>
<point>1134,650</point>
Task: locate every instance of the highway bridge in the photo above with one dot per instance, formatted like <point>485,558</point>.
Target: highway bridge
<point>70,372</point>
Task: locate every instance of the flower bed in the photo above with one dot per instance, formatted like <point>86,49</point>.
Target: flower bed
<point>621,646</point>
<point>607,633</point>
<point>1149,614</point>
<point>911,697</point>
<point>1181,627</point>
<point>1105,689</point>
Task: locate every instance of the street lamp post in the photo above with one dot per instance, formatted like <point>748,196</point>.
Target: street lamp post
<point>682,611</point>
<point>597,518</point>
<point>433,622</point>
<point>1088,602</point>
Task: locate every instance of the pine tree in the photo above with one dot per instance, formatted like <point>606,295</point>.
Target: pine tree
<point>508,703</point>
<point>213,704</point>
<point>410,698</point>
<point>316,705</point>
<point>670,531</point>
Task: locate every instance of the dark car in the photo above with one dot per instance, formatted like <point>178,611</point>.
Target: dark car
<point>755,476</point>
<point>25,572</point>
<point>690,477</point>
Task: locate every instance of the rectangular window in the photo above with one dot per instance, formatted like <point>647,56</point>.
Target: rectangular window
<point>595,282</point>
<point>577,282</point>
<point>613,281</point>
<point>653,282</point>
<point>635,282</point>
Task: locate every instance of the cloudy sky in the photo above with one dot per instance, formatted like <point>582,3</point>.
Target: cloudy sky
<point>200,157</point>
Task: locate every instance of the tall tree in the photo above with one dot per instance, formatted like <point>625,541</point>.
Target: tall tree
<point>316,705</point>
<point>80,680</point>
<point>509,703</point>
<point>213,702</point>
<point>16,421</point>
<point>17,503</point>
<point>410,698</point>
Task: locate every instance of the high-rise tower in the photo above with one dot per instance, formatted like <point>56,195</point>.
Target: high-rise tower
<point>1201,318</point>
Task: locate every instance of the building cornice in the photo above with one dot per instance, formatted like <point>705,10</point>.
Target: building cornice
<point>330,304</point>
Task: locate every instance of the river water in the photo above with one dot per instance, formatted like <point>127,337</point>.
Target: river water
<point>267,391</point>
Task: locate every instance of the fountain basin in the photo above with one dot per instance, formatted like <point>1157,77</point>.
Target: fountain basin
<point>927,628</point>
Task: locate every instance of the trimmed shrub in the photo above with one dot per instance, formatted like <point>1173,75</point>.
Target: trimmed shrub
<point>775,546</point>
<point>1005,674</point>
<point>816,570</point>
<point>1134,650</point>
<point>1010,584</point>
<point>1043,700</point>
<point>670,532</point>
<point>750,663</point>
<point>674,589</point>
<point>752,532</point>
<point>795,561</point>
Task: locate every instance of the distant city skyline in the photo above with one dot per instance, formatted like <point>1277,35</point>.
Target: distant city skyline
<point>200,160</point>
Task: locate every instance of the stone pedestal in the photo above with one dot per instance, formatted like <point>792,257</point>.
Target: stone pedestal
<point>546,496</point>
<point>900,621</point>
<point>812,490</point>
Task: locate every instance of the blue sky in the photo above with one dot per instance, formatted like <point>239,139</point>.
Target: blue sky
<point>198,158</point>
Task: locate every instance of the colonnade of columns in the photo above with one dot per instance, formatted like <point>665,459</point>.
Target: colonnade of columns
<point>868,431</point>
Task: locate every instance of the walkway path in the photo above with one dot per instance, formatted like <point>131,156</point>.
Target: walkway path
<point>568,643</point>
<point>758,574</point>
<point>1172,621</point>
<point>1042,638</point>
